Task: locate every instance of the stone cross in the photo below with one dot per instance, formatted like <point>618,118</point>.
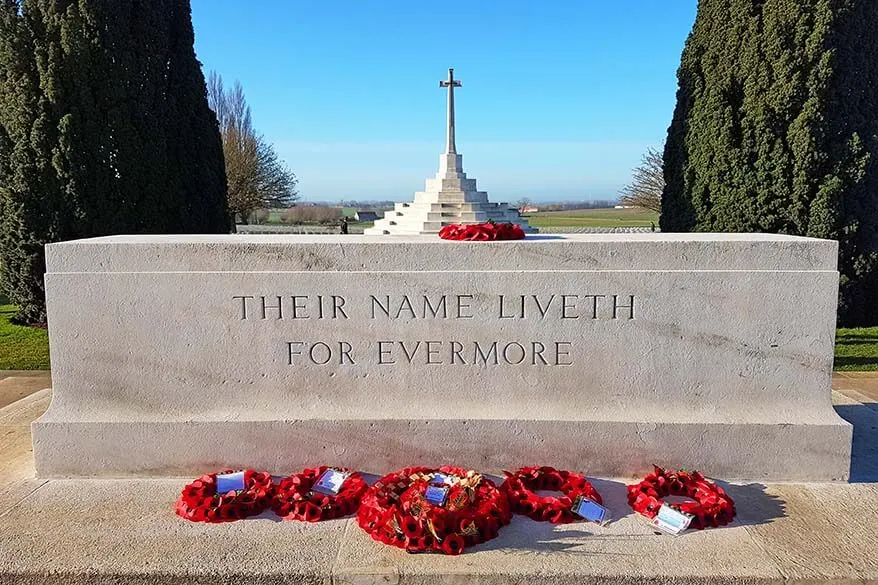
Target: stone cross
<point>450,83</point>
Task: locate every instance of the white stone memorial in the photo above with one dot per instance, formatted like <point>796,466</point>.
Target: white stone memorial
<point>177,355</point>
<point>450,197</point>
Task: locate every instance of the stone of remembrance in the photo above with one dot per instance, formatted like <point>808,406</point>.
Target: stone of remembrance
<point>176,355</point>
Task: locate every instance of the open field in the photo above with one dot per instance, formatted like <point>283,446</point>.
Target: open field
<point>587,218</point>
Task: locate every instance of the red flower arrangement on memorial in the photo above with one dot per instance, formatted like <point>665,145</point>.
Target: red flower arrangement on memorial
<point>294,498</point>
<point>396,510</point>
<point>711,505</point>
<point>482,231</point>
<point>520,488</point>
<point>200,501</point>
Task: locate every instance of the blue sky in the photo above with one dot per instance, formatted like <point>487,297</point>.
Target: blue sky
<point>559,101</point>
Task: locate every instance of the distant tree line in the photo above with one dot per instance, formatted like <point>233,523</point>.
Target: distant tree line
<point>572,205</point>
<point>321,214</point>
<point>104,129</point>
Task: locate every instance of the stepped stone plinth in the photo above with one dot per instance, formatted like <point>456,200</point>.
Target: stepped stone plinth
<point>448,198</point>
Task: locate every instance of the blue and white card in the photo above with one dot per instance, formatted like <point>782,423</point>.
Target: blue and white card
<point>591,510</point>
<point>443,479</point>
<point>671,521</point>
<point>330,482</point>
<point>436,494</point>
<point>230,482</point>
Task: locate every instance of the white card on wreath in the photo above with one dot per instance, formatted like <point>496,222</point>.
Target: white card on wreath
<point>436,494</point>
<point>330,482</point>
<point>444,479</point>
<point>591,510</point>
<point>671,521</point>
<point>230,482</point>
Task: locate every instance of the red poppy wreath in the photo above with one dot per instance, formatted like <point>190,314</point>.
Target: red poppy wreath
<point>520,487</point>
<point>433,510</point>
<point>296,499</point>
<point>201,502</point>
<point>711,506</point>
<point>482,231</point>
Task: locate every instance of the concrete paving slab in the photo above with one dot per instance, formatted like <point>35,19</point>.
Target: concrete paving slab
<point>26,410</point>
<point>828,534</point>
<point>15,388</point>
<point>17,460</point>
<point>627,550</point>
<point>13,492</point>
<point>124,531</point>
<point>25,374</point>
<point>865,384</point>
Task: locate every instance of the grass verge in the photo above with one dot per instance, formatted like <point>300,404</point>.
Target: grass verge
<point>856,349</point>
<point>21,348</point>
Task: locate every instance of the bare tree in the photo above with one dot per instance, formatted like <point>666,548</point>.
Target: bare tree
<point>523,204</point>
<point>256,176</point>
<point>647,183</point>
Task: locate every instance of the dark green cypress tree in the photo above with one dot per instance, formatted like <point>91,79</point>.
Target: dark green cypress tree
<point>776,130</point>
<point>29,194</point>
<point>122,138</point>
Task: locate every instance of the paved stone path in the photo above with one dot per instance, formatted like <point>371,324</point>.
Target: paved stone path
<point>18,384</point>
<point>861,386</point>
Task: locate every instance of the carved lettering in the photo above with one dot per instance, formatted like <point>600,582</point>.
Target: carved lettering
<point>594,304</point>
<point>456,349</point>
<point>345,350</point>
<point>406,305</point>
<point>244,300</point>
<point>299,305</point>
<point>278,307</point>
<point>583,308</point>
<point>629,306</point>
<point>537,353</point>
<point>511,360</point>
<point>543,310</point>
<point>434,312</point>
<point>463,307</point>
<point>338,307</point>
<point>502,314</point>
<point>433,352</point>
<point>567,307</point>
<point>405,350</point>
<point>559,354</point>
<point>382,352</point>
<point>321,353</point>
<point>480,354</point>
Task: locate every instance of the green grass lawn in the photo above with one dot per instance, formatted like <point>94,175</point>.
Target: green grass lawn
<point>587,218</point>
<point>21,348</point>
<point>856,349</point>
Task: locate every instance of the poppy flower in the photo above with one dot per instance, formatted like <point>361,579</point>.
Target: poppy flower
<point>453,544</point>
<point>412,528</point>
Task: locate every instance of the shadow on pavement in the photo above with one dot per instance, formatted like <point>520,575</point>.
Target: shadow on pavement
<point>864,451</point>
